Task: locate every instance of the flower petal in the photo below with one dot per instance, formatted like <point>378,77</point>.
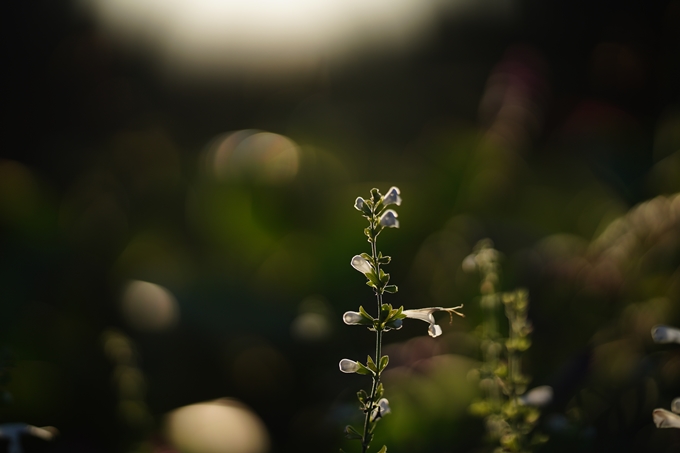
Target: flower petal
<point>392,197</point>
<point>665,334</point>
<point>434,330</point>
<point>352,318</point>
<point>537,397</point>
<point>359,204</point>
<point>389,219</point>
<point>381,409</point>
<point>665,419</point>
<point>675,405</point>
<point>359,263</point>
<point>348,366</point>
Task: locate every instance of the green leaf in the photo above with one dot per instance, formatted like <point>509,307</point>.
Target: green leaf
<point>351,433</point>
<point>363,369</point>
<point>384,361</point>
<point>363,396</point>
<point>383,449</point>
<point>391,289</point>
<point>364,313</point>
<point>379,392</point>
<point>371,364</point>
<point>384,278</point>
<point>375,195</point>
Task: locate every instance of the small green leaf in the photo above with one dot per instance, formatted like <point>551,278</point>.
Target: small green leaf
<point>385,259</point>
<point>375,195</point>
<point>383,449</point>
<point>363,396</point>
<point>384,361</point>
<point>379,392</point>
<point>362,369</point>
<point>384,278</point>
<point>351,433</point>
<point>371,364</point>
<point>391,289</point>
<point>364,313</point>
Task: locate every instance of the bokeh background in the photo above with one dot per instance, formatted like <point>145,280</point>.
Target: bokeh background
<point>176,220</point>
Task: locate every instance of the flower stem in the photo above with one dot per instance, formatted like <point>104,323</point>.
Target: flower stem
<point>366,437</point>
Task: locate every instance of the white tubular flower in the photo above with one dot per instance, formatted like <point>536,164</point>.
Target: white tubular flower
<point>537,397</point>
<point>352,318</point>
<point>359,204</point>
<point>392,197</point>
<point>359,263</point>
<point>665,419</point>
<point>381,409</point>
<point>665,334</point>
<point>348,366</point>
<point>427,315</point>
<point>389,219</point>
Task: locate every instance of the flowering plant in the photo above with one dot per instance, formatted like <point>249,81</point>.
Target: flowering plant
<point>373,404</point>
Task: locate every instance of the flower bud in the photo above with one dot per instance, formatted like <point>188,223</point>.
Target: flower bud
<point>359,204</point>
<point>352,318</point>
<point>381,409</point>
<point>537,397</point>
<point>389,219</point>
<point>359,263</point>
<point>675,405</point>
<point>665,334</point>
<point>392,197</point>
<point>348,366</point>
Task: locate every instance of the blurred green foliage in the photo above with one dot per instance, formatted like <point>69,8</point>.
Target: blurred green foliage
<point>535,136</point>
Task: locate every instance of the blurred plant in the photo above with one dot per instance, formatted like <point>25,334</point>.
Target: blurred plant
<point>510,414</point>
<point>6,362</point>
<point>662,417</point>
<point>13,432</point>
<point>373,404</point>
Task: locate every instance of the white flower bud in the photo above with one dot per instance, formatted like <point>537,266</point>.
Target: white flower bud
<point>359,263</point>
<point>665,334</point>
<point>352,318</point>
<point>381,409</point>
<point>665,419</point>
<point>389,219</point>
<point>392,197</point>
<point>348,366</point>
<point>359,204</point>
<point>537,397</point>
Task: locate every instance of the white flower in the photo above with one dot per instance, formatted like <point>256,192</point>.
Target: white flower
<point>427,315</point>
<point>392,197</point>
<point>675,405</point>
<point>389,219</point>
<point>665,334</point>
<point>537,397</point>
<point>665,419</point>
<point>381,409</point>
<point>359,263</point>
<point>352,318</point>
<point>348,366</point>
<point>359,204</point>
